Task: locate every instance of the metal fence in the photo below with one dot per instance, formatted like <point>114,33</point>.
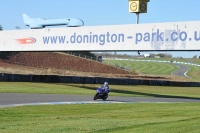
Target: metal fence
<point>83,56</point>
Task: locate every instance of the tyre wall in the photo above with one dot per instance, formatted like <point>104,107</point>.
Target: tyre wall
<point>91,80</point>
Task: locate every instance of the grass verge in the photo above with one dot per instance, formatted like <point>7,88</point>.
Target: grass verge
<point>90,89</point>
<point>112,118</point>
<point>194,72</point>
<point>154,68</point>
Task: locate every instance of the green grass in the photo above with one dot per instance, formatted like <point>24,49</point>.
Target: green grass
<point>153,68</point>
<point>156,68</point>
<point>90,89</point>
<point>194,72</point>
<point>101,118</point>
<point>196,61</point>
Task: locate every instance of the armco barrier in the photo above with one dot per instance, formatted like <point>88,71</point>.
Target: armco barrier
<point>91,80</point>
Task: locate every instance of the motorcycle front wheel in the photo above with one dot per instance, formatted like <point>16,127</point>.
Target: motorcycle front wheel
<point>105,97</point>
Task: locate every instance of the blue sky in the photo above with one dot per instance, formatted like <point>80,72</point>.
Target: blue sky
<point>102,12</point>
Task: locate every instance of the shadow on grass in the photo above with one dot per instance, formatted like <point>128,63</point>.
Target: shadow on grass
<point>136,93</point>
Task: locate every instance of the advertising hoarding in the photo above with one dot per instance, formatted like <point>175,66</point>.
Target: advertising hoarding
<point>132,37</point>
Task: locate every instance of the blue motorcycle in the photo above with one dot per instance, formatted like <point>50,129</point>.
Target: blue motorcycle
<point>101,93</point>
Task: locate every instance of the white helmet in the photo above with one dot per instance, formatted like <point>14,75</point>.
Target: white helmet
<point>105,83</point>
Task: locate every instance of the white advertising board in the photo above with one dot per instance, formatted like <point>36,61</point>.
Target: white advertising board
<point>155,36</point>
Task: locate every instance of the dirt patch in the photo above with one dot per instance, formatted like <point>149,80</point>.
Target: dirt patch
<point>60,61</point>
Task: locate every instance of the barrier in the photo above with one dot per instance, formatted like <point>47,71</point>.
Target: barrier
<point>91,80</point>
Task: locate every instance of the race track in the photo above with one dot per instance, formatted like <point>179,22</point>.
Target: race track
<point>182,71</point>
<point>14,99</point>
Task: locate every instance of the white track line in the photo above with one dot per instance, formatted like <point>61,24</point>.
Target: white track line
<point>70,103</point>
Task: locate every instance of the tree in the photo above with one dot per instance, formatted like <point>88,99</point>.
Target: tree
<point>168,55</point>
<point>161,55</point>
<point>1,28</point>
<point>195,57</point>
<point>152,55</point>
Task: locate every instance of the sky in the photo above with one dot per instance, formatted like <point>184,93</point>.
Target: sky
<point>101,12</point>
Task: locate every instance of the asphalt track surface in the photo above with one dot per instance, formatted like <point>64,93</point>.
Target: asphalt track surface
<point>17,99</point>
<point>182,71</point>
<point>14,99</point>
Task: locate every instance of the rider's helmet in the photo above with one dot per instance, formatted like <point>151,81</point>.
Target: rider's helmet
<point>105,83</point>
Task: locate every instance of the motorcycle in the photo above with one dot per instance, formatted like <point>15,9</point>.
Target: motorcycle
<point>101,93</point>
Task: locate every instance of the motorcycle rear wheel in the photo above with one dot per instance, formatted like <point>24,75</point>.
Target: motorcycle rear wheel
<point>95,97</point>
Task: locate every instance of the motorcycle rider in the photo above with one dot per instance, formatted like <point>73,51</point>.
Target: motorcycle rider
<point>102,91</point>
<point>105,86</point>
